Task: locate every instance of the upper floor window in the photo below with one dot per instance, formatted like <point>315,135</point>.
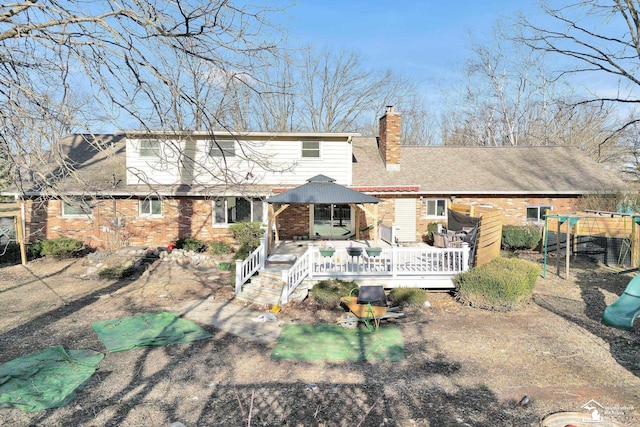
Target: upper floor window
<point>229,210</point>
<point>538,213</point>
<point>222,148</point>
<point>435,207</point>
<point>311,149</point>
<point>149,148</point>
<point>81,206</point>
<point>150,207</point>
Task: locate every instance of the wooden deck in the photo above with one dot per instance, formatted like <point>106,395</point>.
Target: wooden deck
<point>420,266</point>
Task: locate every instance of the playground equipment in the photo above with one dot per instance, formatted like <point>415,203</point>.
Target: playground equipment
<point>14,210</point>
<point>622,313</point>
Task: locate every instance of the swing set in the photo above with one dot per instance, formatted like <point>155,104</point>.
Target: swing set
<point>585,229</point>
<point>8,210</point>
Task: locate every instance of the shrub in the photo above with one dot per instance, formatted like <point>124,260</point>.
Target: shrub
<point>34,249</point>
<point>63,247</point>
<point>520,237</point>
<point>247,234</point>
<point>407,296</point>
<point>191,244</point>
<point>116,272</point>
<point>243,252</point>
<point>327,293</point>
<point>219,247</point>
<point>501,285</point>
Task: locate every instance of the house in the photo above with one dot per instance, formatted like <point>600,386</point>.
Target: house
<point>151,188</point>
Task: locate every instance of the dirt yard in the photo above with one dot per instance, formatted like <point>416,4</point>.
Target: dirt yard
<point>462,366</point>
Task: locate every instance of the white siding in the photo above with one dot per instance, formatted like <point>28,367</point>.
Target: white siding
<point>406,220</point>
<point>273,162</point>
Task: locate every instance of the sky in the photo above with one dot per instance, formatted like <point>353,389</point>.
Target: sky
<point>423,40</point>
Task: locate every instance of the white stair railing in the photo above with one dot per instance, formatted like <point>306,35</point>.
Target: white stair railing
<point>297,273</point>
<point>248,267</point>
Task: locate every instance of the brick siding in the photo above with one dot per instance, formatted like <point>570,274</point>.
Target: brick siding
<point>180,218</point>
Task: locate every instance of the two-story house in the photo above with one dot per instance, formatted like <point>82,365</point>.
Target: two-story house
<point>141,188</point>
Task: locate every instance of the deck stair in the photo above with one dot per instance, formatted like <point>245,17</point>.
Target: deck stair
<point>264,288</point>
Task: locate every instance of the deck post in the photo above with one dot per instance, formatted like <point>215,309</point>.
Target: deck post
<point>466,250</point>
<point>394,260</point>
<point>238,276</point>
<point>312,261</point>
<point>265,251</point>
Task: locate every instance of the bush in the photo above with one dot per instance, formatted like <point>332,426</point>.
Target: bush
<point>520,237</point>
<point>243,252</point>
<point>219,247</point>
<point>247,234</point>
<point>327,293</point>
<point>501,285</point>
<point>34,249</point>
<point>116,272</point>
<point>191,244</point>
<point>63,247</point>
<point>407,296</point>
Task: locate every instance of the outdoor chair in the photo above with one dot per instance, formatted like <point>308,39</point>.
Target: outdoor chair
<point>439,240</point>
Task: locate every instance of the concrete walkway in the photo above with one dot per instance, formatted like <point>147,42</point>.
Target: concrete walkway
<point>234,318</point>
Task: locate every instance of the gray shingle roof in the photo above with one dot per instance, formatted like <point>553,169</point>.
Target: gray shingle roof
<point>484,170</point>
<point>322,189</point>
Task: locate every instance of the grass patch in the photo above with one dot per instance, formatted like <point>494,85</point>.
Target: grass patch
<point>335,344</point>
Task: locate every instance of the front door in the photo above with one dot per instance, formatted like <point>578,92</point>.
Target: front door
<point>332,221</point>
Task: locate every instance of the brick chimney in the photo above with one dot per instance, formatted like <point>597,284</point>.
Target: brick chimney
<point>389,140</point>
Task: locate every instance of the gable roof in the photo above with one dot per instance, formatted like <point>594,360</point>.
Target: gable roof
<point>324,190</point>
<point>483,170</point>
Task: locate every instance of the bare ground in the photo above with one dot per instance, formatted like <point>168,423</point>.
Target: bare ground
<point>462,367</point>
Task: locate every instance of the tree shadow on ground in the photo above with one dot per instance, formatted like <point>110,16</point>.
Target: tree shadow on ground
<point>197,384</point>
<point>624,345</point>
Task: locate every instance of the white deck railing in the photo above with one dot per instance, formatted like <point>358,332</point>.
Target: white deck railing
<point>254,262</point>
<point>395,262</point>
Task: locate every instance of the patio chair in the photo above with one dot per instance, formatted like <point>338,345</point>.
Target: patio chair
<point>439,240</point>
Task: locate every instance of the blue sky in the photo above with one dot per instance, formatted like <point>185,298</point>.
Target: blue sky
<point>421,39</point>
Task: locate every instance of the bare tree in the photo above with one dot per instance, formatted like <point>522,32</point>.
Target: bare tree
<point>70,66</point>
<point>593,41</point>
<point>337,93</point>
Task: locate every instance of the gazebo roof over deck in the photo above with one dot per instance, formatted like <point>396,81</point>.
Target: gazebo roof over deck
<point>322,190</point>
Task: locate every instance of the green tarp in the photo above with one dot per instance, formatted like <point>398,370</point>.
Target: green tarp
<point>334,343</point>
<point>147,330</point>
<point>47,379</point>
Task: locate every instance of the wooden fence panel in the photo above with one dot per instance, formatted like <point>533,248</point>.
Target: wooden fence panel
<point>490,231</point>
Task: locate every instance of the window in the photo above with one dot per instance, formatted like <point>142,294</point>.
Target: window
<point>222,148</point>
<point>311,149</point>
<point>435,207</point>
<point>537,213</point>
<point>149,207</point>
<point>77,207</point>
<point>149,148</point>
<point>229,210</point>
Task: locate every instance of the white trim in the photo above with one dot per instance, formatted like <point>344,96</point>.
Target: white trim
<point>79,215</point>
<point>149,214</point>
<point>302,149</point>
